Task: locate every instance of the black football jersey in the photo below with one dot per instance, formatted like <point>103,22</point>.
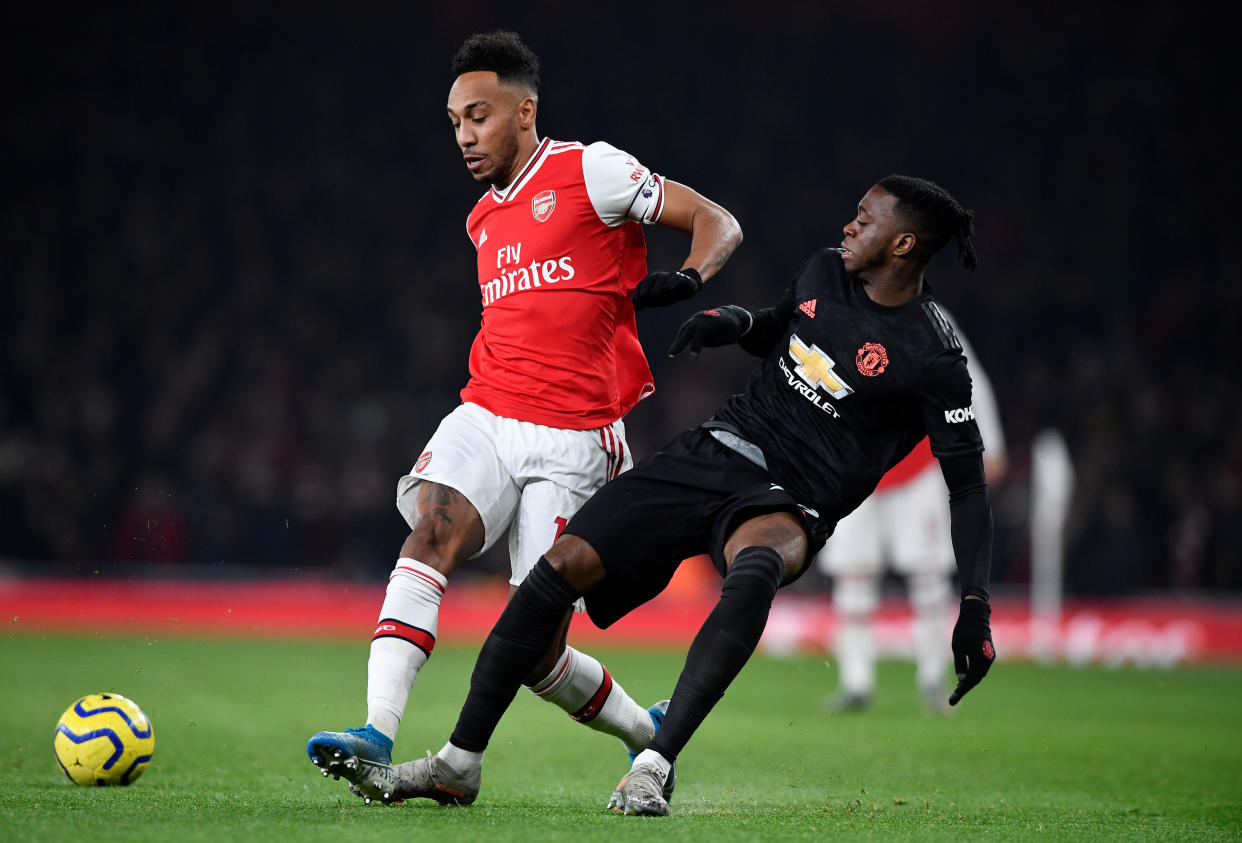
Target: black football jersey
<point>851,388</point>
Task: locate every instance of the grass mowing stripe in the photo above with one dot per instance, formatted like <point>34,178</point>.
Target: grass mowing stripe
<point>1034,752</point>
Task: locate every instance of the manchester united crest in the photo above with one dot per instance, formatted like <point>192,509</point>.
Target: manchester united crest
<point>542,206</point>
<point>872,359</point>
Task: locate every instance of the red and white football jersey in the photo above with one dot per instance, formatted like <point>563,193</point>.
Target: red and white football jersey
<point>560,251</point>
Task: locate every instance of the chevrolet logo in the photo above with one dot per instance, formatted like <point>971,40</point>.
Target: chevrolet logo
<point>815,367</point>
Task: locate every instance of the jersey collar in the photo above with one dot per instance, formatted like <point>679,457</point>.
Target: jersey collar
<point>532,165</point>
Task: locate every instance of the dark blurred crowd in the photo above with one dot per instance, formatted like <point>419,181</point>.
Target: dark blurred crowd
<point>239,295</point>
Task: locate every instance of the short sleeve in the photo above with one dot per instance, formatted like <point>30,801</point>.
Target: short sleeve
<point>948,412</point>
<point>621,188</point>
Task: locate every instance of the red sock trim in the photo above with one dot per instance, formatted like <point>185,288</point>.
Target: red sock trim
<point>544,686</point>
<point>589,711</point>
<point>420,638</point>
<point>406,570</point>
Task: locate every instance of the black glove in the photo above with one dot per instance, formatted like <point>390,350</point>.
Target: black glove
<point>665,286</point>
<point>711,328</point>
<point>973,652</point>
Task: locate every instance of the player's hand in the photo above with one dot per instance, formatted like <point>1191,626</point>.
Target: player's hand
<point>711,328</point>
<point>666,286</point>
<point>973,652</point>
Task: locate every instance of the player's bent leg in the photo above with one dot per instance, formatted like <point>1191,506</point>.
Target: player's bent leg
<point>618,714</point>
<point>572,680</point>
<point>523,634</point>
<point>527,629</point>
<point>446,530</point>
<point>722,646</point>
<point>403,640</point>
<point>762,553</point>
<point>583,688</point>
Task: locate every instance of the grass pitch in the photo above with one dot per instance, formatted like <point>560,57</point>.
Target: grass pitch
<point>1033,753</point>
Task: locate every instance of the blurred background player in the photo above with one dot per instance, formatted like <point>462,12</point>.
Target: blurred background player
<point>904,527</point>
<point>554,368</point>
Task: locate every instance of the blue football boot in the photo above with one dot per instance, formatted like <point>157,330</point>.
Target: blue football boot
<point>353,755</point>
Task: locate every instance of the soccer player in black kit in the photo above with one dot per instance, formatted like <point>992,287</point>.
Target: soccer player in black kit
<point>857,366</point>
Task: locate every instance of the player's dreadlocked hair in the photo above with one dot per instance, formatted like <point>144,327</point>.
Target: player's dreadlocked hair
<point>936,214</point>
<point>501,52</point>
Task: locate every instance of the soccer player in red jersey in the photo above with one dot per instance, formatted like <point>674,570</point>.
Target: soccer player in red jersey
<point>555,367</point>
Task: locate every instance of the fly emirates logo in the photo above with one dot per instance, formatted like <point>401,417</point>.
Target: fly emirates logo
<point>514,276</point>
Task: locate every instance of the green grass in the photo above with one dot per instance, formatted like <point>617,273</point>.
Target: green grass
<point>1033,753</point>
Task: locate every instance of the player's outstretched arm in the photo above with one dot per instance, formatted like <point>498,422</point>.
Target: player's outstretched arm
<point>712,328</point>
<point>714,234</point>
<point>971,520</point>
<point>757,333</point>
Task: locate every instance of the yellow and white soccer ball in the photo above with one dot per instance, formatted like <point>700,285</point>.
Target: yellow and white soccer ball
<point>104,739</point>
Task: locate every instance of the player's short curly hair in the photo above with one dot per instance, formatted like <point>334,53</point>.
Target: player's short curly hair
<point>938,217</point>
<point>501,52</point>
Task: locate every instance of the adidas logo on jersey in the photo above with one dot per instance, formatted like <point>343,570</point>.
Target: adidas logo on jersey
<point>808,307</point>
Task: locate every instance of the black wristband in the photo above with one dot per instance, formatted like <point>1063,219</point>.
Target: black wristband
<point>691,272</point>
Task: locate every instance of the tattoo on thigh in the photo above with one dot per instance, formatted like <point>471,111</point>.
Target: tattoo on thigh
<point>442,497</point>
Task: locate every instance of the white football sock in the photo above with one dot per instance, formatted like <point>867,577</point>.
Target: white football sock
<point>856,599</point>
<point>461,761</point>
<point>929,597</point>
<point>403,641</point>
<point>650,756</point>
<point>581,686</point>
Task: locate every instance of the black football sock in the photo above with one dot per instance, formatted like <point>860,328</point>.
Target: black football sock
<point>722,646</point>
<point>522,634</point>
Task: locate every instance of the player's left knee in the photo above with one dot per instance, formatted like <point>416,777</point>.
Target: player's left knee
<point>778,531</point>
<point>575,560</point>
<point>758,569</point>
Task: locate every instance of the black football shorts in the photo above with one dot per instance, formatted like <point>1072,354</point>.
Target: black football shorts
<point>684,500</point>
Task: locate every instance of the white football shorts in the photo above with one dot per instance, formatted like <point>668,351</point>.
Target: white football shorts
<point>520,476</point>
<point>905,527</point>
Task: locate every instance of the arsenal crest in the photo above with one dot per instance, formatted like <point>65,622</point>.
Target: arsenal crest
<point>542,206</point>
<point>872,359</point>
